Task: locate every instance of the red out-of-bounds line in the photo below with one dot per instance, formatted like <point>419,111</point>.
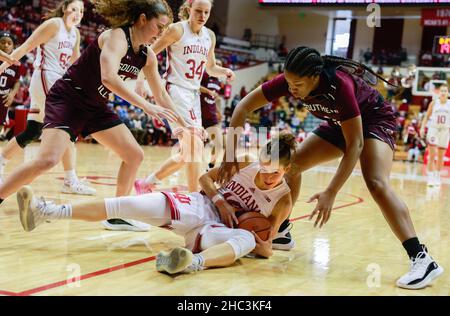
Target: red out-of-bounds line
<point>85,277</point>
<point>128,265</point>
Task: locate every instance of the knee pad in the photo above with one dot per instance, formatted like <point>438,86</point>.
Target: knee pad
<point>32,132</point>
<point>242,241</point>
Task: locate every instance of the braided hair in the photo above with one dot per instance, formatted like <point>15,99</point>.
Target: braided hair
<point>307,62</point>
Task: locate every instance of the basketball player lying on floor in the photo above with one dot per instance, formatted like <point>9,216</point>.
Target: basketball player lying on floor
<point>204,219</point>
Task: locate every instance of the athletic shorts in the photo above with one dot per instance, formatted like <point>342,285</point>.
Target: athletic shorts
<point>68,110</point>
<point>41,83</point>
<point>187,103</point>
<point>438,137</point>
<point>192,215</point>
<point>383,131</point>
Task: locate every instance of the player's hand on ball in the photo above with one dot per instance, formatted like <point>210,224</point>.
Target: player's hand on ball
<point>325,201</point>
<point>161,113</point>
<point>227,213</point>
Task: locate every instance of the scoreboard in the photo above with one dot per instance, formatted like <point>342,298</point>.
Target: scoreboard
<point>354,2</point>
<point>442,45</point>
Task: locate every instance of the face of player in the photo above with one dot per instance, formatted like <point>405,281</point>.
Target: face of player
<point>200,11</point>
<point>443,92</point>
<point>301,87</point>
<point>271,174</point>
<point>152,29</point>
<point>6,45</point>
<point>74,13</point>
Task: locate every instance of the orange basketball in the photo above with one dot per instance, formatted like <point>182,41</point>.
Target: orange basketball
<point>256,222</point>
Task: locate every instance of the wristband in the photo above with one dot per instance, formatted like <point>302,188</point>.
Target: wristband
<point>217,197</point>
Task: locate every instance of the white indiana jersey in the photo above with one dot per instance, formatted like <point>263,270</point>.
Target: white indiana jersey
<point>55,54</point>
<point>187,58</point>
<point>440,118</point>
<point>242,193</point>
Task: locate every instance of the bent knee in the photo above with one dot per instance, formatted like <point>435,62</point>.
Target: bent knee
<point>376,185</point>
<point>46,163</point>
<point>135,156</point>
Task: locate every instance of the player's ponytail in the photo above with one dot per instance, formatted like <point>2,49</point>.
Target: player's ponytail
<point>307,62</point>
<point>58,12</point>
<point>183,12</point>
<point>281,147</point>
<point>126,12</point>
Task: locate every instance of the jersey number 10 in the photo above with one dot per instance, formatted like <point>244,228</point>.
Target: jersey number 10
<point>3,81</point>
<point>441,119</point>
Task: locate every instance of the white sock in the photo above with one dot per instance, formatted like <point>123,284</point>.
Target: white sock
<point>63,211</point>
<point>70,176</point>
<point>152,179</point>
<point>198,260</point>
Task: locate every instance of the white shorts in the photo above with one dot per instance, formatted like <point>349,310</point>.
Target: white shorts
<point>193,215</point>
<point>40,85</point>
<point>187,103</point>
<point>438,137</point>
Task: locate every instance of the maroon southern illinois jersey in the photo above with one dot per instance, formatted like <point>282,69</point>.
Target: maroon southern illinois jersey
<point>7,81</point>
<point>85,74</point>
<point>209,108</point>
<point>339,97</point>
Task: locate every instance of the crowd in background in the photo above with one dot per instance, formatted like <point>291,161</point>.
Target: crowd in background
<point>22,17</point>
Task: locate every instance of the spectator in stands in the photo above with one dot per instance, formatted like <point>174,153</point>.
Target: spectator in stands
<point>368,55</point>
<point>243,92</point>
<point>394,83</point>
<point>282,49</point>
<point>416,149</point>
<point>424,105</point>
<point>404,107</point>
<point>408,81</point>
<point>248,34</point>
<point>411,132</point>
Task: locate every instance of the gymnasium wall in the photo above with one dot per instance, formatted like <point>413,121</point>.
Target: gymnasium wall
<point>248,78</point>
<point>308,30</point>
<point>244,14</point>
<point>363,38</point>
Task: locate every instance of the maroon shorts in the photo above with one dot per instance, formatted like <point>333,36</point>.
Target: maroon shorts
<point>67,109</point>
<point>208,124</point>
<point>383,131</point>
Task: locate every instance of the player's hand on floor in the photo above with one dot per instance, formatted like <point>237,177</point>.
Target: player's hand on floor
<point>263,248</point>
<point>325,201</point>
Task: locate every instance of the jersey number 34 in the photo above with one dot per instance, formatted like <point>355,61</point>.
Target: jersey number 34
<point>194,70</point>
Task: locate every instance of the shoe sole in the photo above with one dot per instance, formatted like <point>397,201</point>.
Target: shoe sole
<point>423,284</point>
<point>68,191</point>
<point>178,258</point>
<point>284,247</point>
<point>24,196</point>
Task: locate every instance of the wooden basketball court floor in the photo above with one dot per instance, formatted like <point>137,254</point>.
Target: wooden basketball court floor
<point>355,254</point>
